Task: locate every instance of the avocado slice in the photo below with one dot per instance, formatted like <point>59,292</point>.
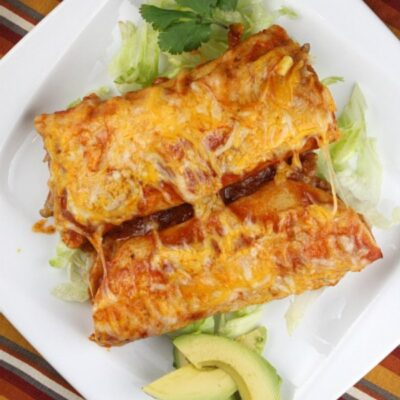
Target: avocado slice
<point>179,359</point>
<point>188,383</point>
<point>254,340</point>
<point>205,384</point>
<point>256,379</point>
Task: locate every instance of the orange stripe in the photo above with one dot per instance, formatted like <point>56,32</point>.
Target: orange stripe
<point>11,392</point>
<point>385,379</point>
<point>15,10</point>
<point>8,331</point>
<point>42,6</point>
<point>392,363</point>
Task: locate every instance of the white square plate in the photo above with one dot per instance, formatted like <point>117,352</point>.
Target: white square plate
<point>346,332</point>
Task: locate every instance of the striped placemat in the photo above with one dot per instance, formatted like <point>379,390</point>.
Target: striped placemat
<point>24,374</point>
<point>17,17</point>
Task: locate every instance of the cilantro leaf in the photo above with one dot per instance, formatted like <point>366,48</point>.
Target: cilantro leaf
<point>203,7</point>
<point>227,5</point>
<point>162,19</point>
<point>185,36</point>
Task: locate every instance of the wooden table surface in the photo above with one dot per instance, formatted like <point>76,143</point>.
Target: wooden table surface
<point>24,374</point>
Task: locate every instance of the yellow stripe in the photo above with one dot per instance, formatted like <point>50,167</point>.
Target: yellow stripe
<point>8,331</point>
<point>385,379</point>
<point>42,6</point>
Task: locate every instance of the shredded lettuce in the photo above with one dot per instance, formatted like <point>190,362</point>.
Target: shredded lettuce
<point>140,60</point>
<point>239,323</point>
<point>255,16</point>
<point>77,264</point>
<point>136,64</point>
<point>331,80</point>
<point>103,92</point>
<point>74,103</point>
<point>231,324</point>
<point>202,326</point>
<point>174,63</point>
<point>288,12</point>
<point>298,307</point>
<point>358,170</point>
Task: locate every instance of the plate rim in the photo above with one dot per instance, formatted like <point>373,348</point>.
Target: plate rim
<point>379,306</point>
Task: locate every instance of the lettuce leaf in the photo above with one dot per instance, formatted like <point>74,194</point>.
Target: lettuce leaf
<point>358,170</point>
<point>241,322</point>
<point>202,326</point>
<point>331,80</point>
<point>136,64</point>
<point>231,324</point>
<point>77,263</point>
<point>298,307</point>
<point>103,92</point>
<point>256,17</point>
<point>174,63</point>
<point>140,60</point>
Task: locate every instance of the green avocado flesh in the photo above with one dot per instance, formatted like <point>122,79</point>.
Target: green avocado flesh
<point>179,359</point>
<point>255,378</point>
<point>188,383</point>
<point>255,340</point>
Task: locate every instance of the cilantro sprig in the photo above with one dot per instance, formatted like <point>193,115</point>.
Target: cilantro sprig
<point>186,28</point>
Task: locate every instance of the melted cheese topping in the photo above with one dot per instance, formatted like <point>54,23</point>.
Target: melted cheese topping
<point>254,105</point>
<point>281,240</point>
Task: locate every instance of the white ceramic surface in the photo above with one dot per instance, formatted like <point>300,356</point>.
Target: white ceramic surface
<point>345,333</point>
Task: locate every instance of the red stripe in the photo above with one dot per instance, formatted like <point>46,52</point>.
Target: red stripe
<point>45,371</point>
<point>396,352</point>
<point>387,13</point>
<point>5,46</point>
<point>393,3</point>
<point>23,385</point>
<point>9,35</point>
<point>368,391</point>
<point>11,392</point>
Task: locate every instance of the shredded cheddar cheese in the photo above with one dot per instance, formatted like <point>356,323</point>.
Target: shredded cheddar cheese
<point>113,160</point>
